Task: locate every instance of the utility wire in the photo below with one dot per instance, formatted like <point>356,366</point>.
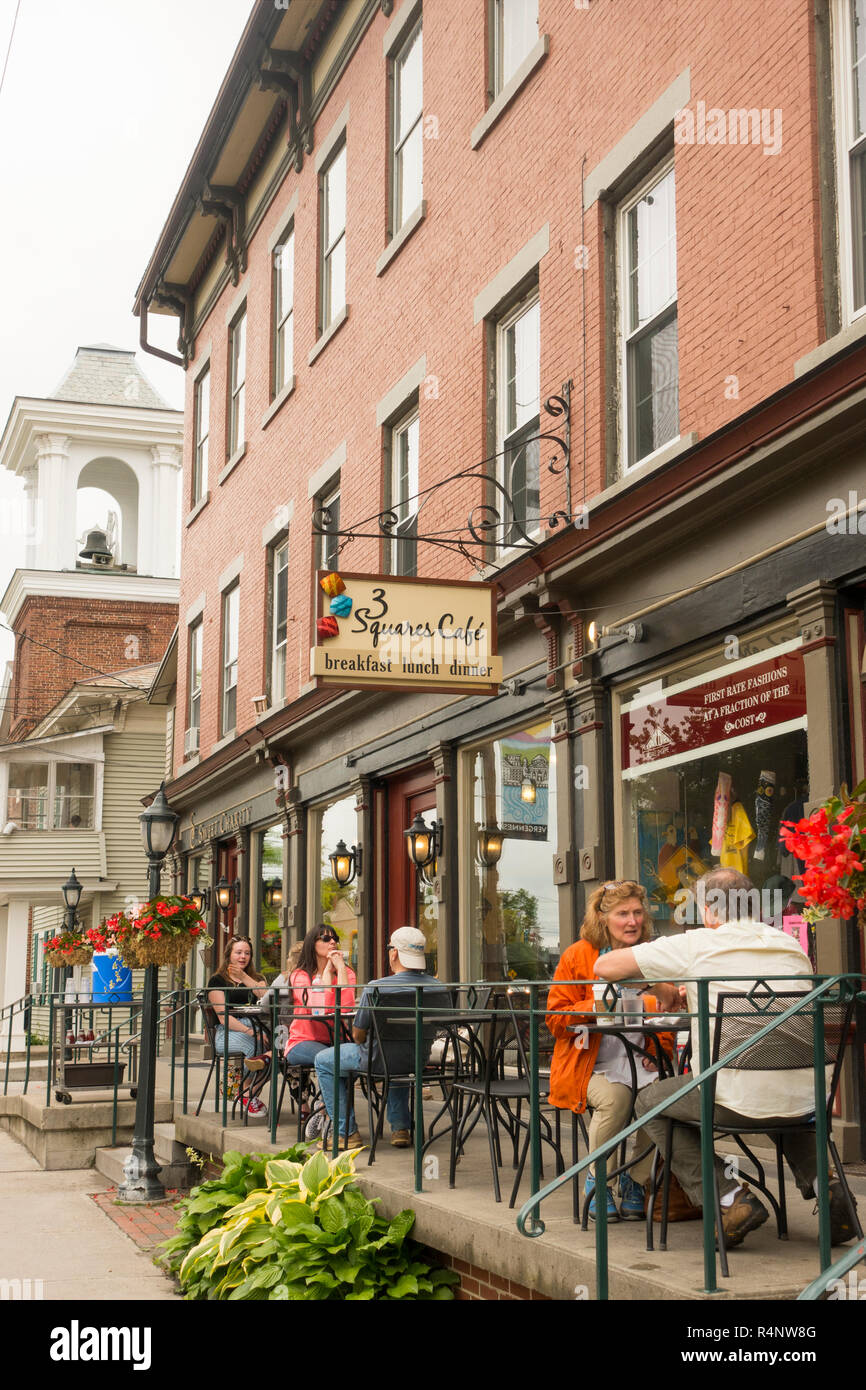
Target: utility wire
<point>22,637</point>
<point>9,47</point>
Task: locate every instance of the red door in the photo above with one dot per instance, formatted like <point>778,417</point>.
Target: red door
<point>410,899</point>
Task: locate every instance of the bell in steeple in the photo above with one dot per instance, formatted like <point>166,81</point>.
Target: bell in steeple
<point>96,549</point>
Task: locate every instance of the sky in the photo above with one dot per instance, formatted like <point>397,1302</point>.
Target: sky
<point>100,112</point>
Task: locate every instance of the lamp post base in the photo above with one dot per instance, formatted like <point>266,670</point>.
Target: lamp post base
<point>141,1178</point>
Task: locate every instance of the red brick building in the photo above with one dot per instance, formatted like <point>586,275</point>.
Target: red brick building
<point>383,262</point>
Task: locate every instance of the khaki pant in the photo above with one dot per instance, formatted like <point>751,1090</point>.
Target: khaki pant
<point>798,1149</point>
<point>611,1103</point>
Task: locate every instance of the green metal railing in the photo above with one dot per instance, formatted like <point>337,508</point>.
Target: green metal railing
<point>845,986</point>
<point>834,1275</point>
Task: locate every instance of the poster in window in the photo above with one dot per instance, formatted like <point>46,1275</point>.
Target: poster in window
<point>525,761</point>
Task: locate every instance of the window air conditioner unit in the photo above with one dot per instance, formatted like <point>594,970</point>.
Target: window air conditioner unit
<point>190,742</point>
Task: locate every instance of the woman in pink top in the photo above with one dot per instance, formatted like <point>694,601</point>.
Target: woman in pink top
<point>319,969</point>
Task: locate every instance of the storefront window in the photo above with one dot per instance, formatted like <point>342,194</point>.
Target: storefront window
<point>710,766</point>
<point>514,920</point>
<point>339,904</point>
<point>272,899</point>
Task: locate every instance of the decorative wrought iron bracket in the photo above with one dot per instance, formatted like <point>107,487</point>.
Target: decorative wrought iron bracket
<point>492,525</point>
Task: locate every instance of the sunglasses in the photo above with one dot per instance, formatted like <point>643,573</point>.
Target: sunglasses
<point>335,939</point>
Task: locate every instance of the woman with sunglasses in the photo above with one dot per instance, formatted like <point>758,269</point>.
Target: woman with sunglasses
<point>320,968</point>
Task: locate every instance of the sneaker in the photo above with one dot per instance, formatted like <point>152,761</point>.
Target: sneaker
<point>354,1141</point>
<point>745,1214</point>
<point>256,1063</point>
<point>255,1107</point>
<point>314,1124</point>
<point>631,1199</point>
<point>842,1226</point>
<point>612,1213</point>
<point>401,1139</point>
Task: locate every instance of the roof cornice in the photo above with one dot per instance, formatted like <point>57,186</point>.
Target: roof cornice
<point>136,426</point>
<point>86,584</point>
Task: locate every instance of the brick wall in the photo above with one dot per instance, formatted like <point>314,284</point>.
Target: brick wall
<point>75,639</point>
<point>749,281</point>
<point>478,1284</point>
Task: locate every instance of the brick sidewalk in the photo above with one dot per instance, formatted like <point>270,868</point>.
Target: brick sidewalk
<point>147,1226</point>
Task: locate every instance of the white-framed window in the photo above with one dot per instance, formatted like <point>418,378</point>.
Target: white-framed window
<point>329,546</point>
<point>407,135</point>
<point>284,299</point>
<point>515,32</point>
<point>202,436</point>
<point>52,795</point>
<point>237,383</point>
<point>279,618</point>
<point>648,317</point>
<point>196,647</point>
<point>403,493</point>
<point>518,389</point>
<point>231,632</point>
<point>849,43</point>
<point>333,238</point>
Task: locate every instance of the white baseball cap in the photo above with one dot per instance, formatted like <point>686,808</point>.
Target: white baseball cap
<point>411,947</point>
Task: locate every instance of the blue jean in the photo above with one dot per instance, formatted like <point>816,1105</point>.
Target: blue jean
<point>244,1043</point>
<point>305,1052</point>
<point>350,1060</point>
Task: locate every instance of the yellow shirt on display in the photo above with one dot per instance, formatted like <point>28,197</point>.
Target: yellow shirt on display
<point>738,836</point>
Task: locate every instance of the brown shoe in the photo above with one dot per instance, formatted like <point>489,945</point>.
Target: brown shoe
<point>745,1214</point>
<point>354,1141</point>
<point>842,1226</point>
<point>680,1205</point>
<point>401,1139</point>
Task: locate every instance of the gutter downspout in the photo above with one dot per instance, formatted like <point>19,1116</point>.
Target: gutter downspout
<point>148,347</point>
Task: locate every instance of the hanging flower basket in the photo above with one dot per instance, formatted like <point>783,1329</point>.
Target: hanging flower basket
<point>832,844</point>
<point>163,932</point>
<point>67,950</point>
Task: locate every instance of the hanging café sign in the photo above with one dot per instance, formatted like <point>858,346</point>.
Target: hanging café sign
<point>381,631</point>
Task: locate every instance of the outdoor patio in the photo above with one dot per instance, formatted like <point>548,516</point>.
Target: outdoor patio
<point>466,1223</point>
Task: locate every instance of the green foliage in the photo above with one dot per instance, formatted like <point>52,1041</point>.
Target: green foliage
<point>294,1227</point>
<point>207,1204</point>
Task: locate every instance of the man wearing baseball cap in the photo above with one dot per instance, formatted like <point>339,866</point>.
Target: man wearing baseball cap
<point>408,962</point>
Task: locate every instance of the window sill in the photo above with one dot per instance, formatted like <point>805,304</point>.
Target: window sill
<point>852,333</point>
<point>224,741</point>
<point>278,401</point>
<point>189,763</point>
<point>199,507</point>
<point>666,454</point>
<point>328,334</point>
<point>399,239</point>
<point>534,57</point>
<point>232,464</point>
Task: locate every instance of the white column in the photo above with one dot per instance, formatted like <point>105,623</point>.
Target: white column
<point>13,967</point>
<point>32,518</point>
<point>55,547</point>
<point>161,545</point>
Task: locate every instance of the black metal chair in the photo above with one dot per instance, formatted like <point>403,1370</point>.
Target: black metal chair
<point>391,1060</point>
<point>790,1047</point>
<point>211,1023</point>
<point>496,1078</point>
<point>296,1077</point>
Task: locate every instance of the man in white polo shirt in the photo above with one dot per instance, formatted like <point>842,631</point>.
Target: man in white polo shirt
<point>731,943</point>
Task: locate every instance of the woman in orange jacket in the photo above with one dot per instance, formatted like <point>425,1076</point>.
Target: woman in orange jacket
<point>594,1070</point>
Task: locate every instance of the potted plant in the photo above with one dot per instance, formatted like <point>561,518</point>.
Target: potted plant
<point>68,948</point>
<point>832,844</point>
<point>163,932</point>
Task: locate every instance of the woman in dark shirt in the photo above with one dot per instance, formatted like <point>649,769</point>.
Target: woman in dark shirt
<point>237,983</point>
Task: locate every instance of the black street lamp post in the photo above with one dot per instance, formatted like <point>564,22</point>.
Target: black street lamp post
<point>71,891</point>
<point>141,1171</point>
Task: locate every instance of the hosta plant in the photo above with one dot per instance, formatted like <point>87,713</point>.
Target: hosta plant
<point>311,1234</point>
